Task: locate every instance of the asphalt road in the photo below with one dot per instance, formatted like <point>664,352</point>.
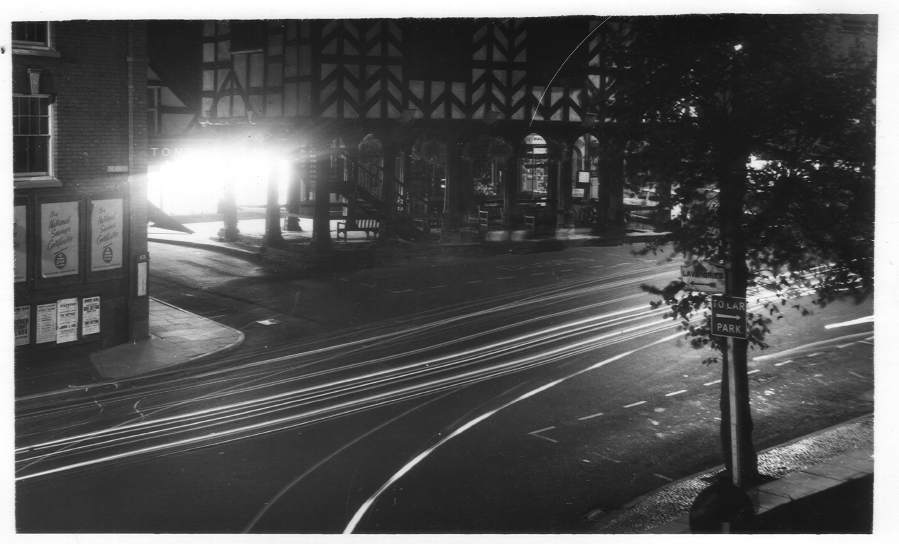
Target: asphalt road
<point>517,393</point>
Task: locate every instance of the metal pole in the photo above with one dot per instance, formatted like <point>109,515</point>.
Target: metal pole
<point>735,424</point>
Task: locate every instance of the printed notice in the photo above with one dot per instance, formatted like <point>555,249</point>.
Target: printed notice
<point>90,315</point>
<point>46,323</point>
<point>66,320</point>
<point>142,279</point>
<point>107,227</point>
<point>59,239</point>
<point>20,243</point>
<point>23,325</point>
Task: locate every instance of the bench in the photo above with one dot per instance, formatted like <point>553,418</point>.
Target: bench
<point>367,225</point>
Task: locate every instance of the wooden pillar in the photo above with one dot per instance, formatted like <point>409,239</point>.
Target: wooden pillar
<point>321,221</point>
<point>273,236</point>
<point>564,186</point>
<point>452,217</point>
<point>388,187</point>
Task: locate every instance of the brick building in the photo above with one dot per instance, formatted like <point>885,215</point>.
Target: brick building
<point>79,158</point>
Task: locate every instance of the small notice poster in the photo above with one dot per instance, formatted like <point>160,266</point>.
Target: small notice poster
<point>142,278</point>
<point>66,320</point>
<point>20,243</point>
<point>107,227</point>
<point>46,323</point>
<point>59,239</point>
<point>90,315</point>
<point>23,325</point>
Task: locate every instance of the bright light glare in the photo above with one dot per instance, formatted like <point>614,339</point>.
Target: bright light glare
<point>756,163</point>
<point>194,182</point>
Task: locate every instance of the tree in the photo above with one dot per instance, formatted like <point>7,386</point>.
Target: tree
<point>764,125</point>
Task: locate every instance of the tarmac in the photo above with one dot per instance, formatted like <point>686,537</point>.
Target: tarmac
<point>820,483</point>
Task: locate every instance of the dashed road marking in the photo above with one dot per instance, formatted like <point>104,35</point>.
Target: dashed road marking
<point>400,291</point>
<point>867,342</point>
<point>631,405</point>
<point>566,270</point>
<point>591,416</point>
<point>753,371</point>
<point>857,375</point>
<point>782,363</point>
<point>673,393</point>
<point>662,476</point>
<point>474,281</point>
<point>815,354</point>
<point>606,457</point>
<point>844,346</point>
<point>711,383</point>
<point>538,435</point>
<point>441,286</point>
<point>505,277</point>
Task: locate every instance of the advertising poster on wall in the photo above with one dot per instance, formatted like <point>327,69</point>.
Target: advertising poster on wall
<point>59,239</point>
<point>107,227</point>
<point>20,243</point>
<point>23,325</point>
<point>46,323</point>
<point>66,320</point>
<point>90,315</point>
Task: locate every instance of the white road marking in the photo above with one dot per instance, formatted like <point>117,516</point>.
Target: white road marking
<point>441,286</point>
<point>505,277</point>
<point>662,476</point>
<point>538,273</point>
<point>813,354</point>
<point>752,371</point>
<point>400,291</point>
<point>867,342</point>
<point>538,435</point>
<point>712,383</point>
<point>634,404</point>
<point>606,457</point>
<point>857,375</point>
<point>591,416</point>
<point>844,346</point>
<point>788,361</point>
<point>566,270</point>
<point>859,321</point>
<point>806,346</point>
<point>474,281</point>
<point>675,393</point>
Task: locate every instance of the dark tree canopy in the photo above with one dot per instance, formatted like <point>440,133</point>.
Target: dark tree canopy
<point>779,113</point>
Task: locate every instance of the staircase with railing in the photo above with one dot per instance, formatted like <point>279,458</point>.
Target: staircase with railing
<point>362,185</point>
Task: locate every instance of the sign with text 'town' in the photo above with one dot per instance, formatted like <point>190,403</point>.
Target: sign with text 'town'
<point>728,316</point>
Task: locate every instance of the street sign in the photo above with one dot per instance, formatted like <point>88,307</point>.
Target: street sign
<point>728,316</point>
<point>704,277</point>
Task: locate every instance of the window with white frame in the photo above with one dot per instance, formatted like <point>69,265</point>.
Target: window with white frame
<point>31,118</point>
<point>31,35</point>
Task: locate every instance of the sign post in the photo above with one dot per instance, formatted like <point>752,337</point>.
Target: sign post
<point>704,277</point>
<point>729,321</point>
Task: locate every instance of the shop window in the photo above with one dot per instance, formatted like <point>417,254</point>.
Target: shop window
<point>32,153</point>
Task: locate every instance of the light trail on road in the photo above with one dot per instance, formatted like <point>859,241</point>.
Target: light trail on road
<point>342,389</point>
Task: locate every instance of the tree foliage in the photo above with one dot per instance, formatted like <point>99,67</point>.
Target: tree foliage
<point>784,106</point>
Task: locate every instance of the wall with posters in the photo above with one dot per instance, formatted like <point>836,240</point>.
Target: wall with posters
<point>79,221</point>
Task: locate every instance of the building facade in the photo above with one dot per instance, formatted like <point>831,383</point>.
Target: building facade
<point>418,121</point>
<point>79,157</point>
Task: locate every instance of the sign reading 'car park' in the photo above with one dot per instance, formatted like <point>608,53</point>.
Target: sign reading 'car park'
<point>704,277</point>
<point>728,316</point>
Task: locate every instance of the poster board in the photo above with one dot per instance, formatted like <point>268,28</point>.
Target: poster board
<point>23,325</point>
<point>66,320</point>
<point>107,228</point>
<point>46,323</point>
<point>90,315</point>
<point>59,239</point>
<point>20,243</point>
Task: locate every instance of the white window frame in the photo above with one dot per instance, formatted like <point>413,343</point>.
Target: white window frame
<point>48,178</point>
<point>36,48</point>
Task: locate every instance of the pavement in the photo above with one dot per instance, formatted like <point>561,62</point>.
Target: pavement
<point>821,483</point>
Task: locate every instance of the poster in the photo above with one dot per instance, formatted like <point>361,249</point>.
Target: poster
<point>20,243</point>
<point>23,325</point>
<point>59,239</point>
<point>46,323</point>
<point>142,279</point>
<point>107,227</point>
<point>66,320</point>
<point>90,315</point>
